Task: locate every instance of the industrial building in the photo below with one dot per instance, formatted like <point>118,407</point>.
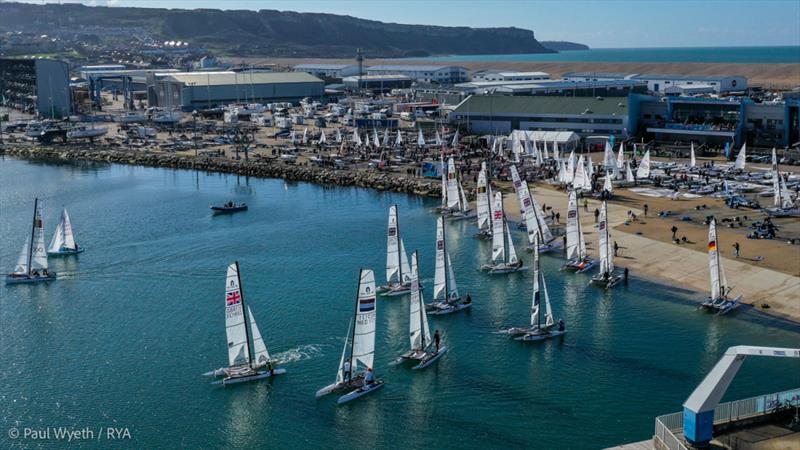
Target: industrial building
<point>586,116</point>
<point>338,71</point>
<point>433,74</point>
<point>509,75</point>
<point>38,86</point>
<point>658,83</point>
<point>603,88</point>
<point>378,83</point>
<point>198,90</point>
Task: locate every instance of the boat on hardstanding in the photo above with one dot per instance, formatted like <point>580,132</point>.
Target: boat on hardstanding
<point>532,216</point>
<point>719,300</point>
<point>248,359</point>
<point>63,242</point>
<point>360,341</point>
<point>398,273</point>
<point>423,349</point>
<point>607,278</point>
<point>578,260</point>
<point>504,256</point>
<point>446,299</point>
<point>32,263</point>
<point>538,330</point>
<point>483,206</point>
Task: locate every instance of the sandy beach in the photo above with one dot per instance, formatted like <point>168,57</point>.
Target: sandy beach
<point>766,75</point>
<point>646,249</point>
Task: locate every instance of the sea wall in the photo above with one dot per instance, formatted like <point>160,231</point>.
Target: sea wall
<point>384,181</point>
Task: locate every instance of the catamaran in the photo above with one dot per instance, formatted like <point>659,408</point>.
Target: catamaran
<point>483,205</point>
<point>244,363</point>
<point>63,242</point>
<point>579,260</point>
<point>32,263</point>
<point>532,216</point>
<point>606,278</point>
<point>419,332</point>
<point>718,300</point>
<point>504,257</point>
<point>538,331</point>
<point>398,273</point>
<point>445,292</point>
<point>360,341</point>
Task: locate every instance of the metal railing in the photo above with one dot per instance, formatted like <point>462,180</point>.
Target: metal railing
<point>669,425</point>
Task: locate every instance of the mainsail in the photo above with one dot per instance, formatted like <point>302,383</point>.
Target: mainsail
<point>393,267</point>
<point>444,282</point>
<point>37,256</point>
<point>452,185</point>
<point>63,237</point>
<point>718,281</point>
<point>235,328</point>
<point>482,201</point>
<point>606,246</point>
<point>740,158</point>
<point>576,247</point>
<point>643,171</point>
<point>525,204</point>
<point>498,228</point>
<point>419,332</point>
<point>692,160</point>
<point>538,278</point>
<point>363,348</point>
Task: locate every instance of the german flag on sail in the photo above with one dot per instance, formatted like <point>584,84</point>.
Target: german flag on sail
<point>712,246</point>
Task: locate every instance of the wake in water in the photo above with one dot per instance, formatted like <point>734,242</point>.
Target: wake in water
<point>300,353</point>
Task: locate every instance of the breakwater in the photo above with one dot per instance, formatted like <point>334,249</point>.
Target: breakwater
<point>255,167</point>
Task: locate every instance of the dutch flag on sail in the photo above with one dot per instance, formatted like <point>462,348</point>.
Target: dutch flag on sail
<point>366,304</point>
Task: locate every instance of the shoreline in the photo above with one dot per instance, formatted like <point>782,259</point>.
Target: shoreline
<point>652,256</point>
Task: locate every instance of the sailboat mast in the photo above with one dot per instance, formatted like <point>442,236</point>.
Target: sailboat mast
<point>537,273</point>
<point>723,294</point>
<point>420,303</point>
<point>244,315</point>
<point>33,232</point>
<point>355,319</point>
<point>446,261</point>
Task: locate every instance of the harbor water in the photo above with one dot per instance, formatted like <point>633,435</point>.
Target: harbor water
<point>123,337</point>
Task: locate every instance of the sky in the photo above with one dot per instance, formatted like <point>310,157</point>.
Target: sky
<point>598,23</point>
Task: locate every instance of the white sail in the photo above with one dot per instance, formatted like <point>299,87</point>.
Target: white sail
<point>58,238</point>
<point>498,228</point>
<point>580,179</point>
<point>393,247</point>
<point>420,138</point>
<point>571,167</point>
<point>525,204</point>
<point>512,253</point>
<point>482,200</point>
<point>235,328</point>
<point>418,330</point>
<point>399,139</point>
<point>356,137</point>
<point>620,160</point>
<point>404,267</point>
<point>292,138</point>
<point>607,186</point>
<point>464,204</point>
<point>562,172</point>
<point>740,158</point>
<point>444,182</point>
<point>606,248</point>
<point>575,245</point>
<point>305,135</point>
<point>544,150</point>
<point>643,171</point>
<point>715,262</point>
<point>692,160</point>
<point>376,142</point>
<point>338,136</point>
<point>39,248</point>
<point>454,144</point>
<point>536,303</point>
<point>776,188</point>
<point>385,137</point>
<point>628,172</point>
<point>608,156</point>
<point>437,140</point>
<point>783,197</point>
<point>452,287</point>
<point>590,166</point>
<point>774,160</point>
<point>439,277</point>
<point>22,262</point>
<point>260,354</point>
<point>452,185</point>
<point>363,350</point>
<point>545,235</point>
<point>322,138</point>
<point>548,311</point>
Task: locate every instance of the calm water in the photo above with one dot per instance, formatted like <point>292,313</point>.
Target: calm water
<point>768,55</point>
<point>122,338</point>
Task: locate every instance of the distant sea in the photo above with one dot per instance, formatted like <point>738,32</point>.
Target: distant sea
<point>749,55</point>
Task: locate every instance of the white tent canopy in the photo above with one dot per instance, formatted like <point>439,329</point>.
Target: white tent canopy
<point>566,140</point>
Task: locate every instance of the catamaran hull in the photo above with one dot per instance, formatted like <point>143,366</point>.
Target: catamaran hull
<point>437,311</point>
<point>425,362</point>
<point>607,283</point>
<point>546,247</point>
<point>502,269</point>
<point>579,266</point>
<point>463,216</point>
<point>29,279</point>
<point>360,392</point>
<point>519,331</point>
<point>720,306</point>
<point>66,252</point>
<point>484,235</point>
<point>257,376</point>
<point>228,209</point>
<point>540,336</point>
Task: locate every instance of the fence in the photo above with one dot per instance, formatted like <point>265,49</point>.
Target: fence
<point>669,425</point>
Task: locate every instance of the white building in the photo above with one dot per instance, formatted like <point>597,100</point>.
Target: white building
<point>327,70</point>
<point>497,75</point>
<point>658,83</point>
<point>424,73</point>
